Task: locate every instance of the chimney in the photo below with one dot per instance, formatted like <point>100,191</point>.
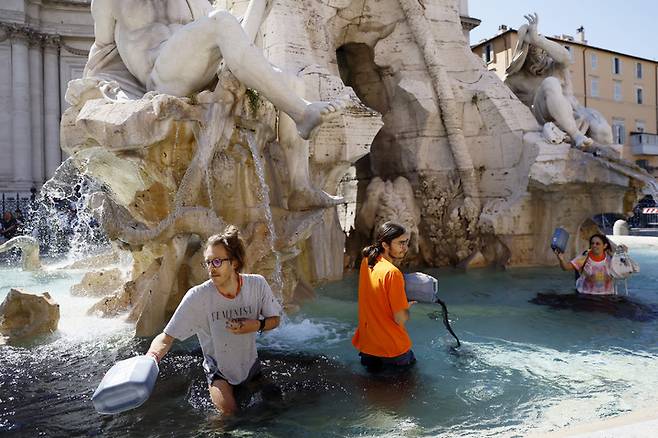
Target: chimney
<point>580,35</point>
<point>502,28</point>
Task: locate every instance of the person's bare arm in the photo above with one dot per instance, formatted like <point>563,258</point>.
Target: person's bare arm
<point>241,326</point>
<point>566,266</point>
<point>160,345</point>
<point>402,316</point>
<point>558,53</point>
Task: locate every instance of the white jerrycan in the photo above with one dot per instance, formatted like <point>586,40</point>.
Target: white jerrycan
<point>126,385</point>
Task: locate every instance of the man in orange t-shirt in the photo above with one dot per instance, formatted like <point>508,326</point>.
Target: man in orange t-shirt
<point>381,337</point>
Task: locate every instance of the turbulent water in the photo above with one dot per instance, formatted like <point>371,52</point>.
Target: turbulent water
<point>523,367</point>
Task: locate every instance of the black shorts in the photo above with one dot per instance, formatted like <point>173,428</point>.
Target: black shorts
<point>254,373</point>
<point>376,363</point>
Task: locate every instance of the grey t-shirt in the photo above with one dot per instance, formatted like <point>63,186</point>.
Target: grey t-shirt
<point>204,312</point>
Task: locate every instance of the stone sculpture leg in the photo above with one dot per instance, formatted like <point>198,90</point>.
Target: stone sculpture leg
<point>302,196</point>
<point>550,104</point>
<point>598,128</point>
<point>190,58</point>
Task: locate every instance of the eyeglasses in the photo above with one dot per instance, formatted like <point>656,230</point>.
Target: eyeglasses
<point>215,263</point>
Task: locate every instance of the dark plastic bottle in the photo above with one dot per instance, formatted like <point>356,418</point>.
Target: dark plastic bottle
<point>560,240</point>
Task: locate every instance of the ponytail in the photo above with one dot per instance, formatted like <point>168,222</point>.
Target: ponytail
<point>372,252</point>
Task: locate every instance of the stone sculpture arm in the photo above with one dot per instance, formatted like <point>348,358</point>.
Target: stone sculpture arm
<point>104,24</point>
<point>253,18</point>
<point>559,54</point>
<point>104,66</point>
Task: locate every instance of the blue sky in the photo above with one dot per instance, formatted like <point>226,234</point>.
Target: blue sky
<point>629,26</point>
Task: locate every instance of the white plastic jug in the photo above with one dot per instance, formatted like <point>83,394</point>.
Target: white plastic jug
<point>126,385</point>
<point>421,287</point>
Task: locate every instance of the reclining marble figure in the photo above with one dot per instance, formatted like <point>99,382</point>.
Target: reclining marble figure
<point>539,76</point>
<point>175,47</point>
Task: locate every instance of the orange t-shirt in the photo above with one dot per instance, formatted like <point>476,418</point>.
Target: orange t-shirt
<point>381,294</point>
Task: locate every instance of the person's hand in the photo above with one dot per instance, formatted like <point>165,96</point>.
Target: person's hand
<point>241,326</point>
<point>558,253</point>
<point>533,21</point>
<point>411,303</point>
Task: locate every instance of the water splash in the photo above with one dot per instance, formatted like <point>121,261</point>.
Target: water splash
<point>59,218</point>
<point>296,335</point>
<point>264,197</point>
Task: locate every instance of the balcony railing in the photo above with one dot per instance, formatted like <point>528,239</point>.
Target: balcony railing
<point>643,143</point>
<point>14,201</point>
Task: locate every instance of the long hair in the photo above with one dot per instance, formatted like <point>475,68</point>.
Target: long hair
<point>386,233</point>
<point>607,248</point>
<point>233,244</point>
<point>538,62</point>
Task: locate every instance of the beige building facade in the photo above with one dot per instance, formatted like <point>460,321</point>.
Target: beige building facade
<point>622,87</point>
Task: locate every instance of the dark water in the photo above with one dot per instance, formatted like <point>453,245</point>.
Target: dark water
<point>523,367</point>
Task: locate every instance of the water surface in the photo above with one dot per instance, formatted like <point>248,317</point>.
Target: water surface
<point>522,367</point>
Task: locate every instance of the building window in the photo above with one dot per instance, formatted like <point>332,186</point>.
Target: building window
<point>638,70</point>
<point>594,87</point>
<point>616,66</point>
<point>594,61</point>
<point>639,126</point>
<point>487,55</point>
<point>617,91</point>
<point>618,131</point>
<point>639,95</point>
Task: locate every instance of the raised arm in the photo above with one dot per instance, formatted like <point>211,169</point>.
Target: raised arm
<point>557,52</point>
<point>565,265</point>
<point>253,18</point>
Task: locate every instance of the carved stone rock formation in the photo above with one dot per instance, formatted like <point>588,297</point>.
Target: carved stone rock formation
<point>99,283</point>
<point>389,201</point>
<point>484,178</point>
<point>24,315</point>
<point>29,248</point>
<point>178,169</point>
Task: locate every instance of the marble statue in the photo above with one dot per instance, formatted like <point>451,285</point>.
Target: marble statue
<point>539,76</point>
<point>177,114</point>
<point>176,49</point>
<point>178,159</point>
<point>552,134</point>
<point>142,48</point>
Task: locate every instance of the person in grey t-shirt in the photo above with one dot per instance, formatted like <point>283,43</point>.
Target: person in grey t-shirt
<point>225,313</point>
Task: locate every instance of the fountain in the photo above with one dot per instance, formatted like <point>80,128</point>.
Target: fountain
<point>420,132</point>
<point>476,180</point>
